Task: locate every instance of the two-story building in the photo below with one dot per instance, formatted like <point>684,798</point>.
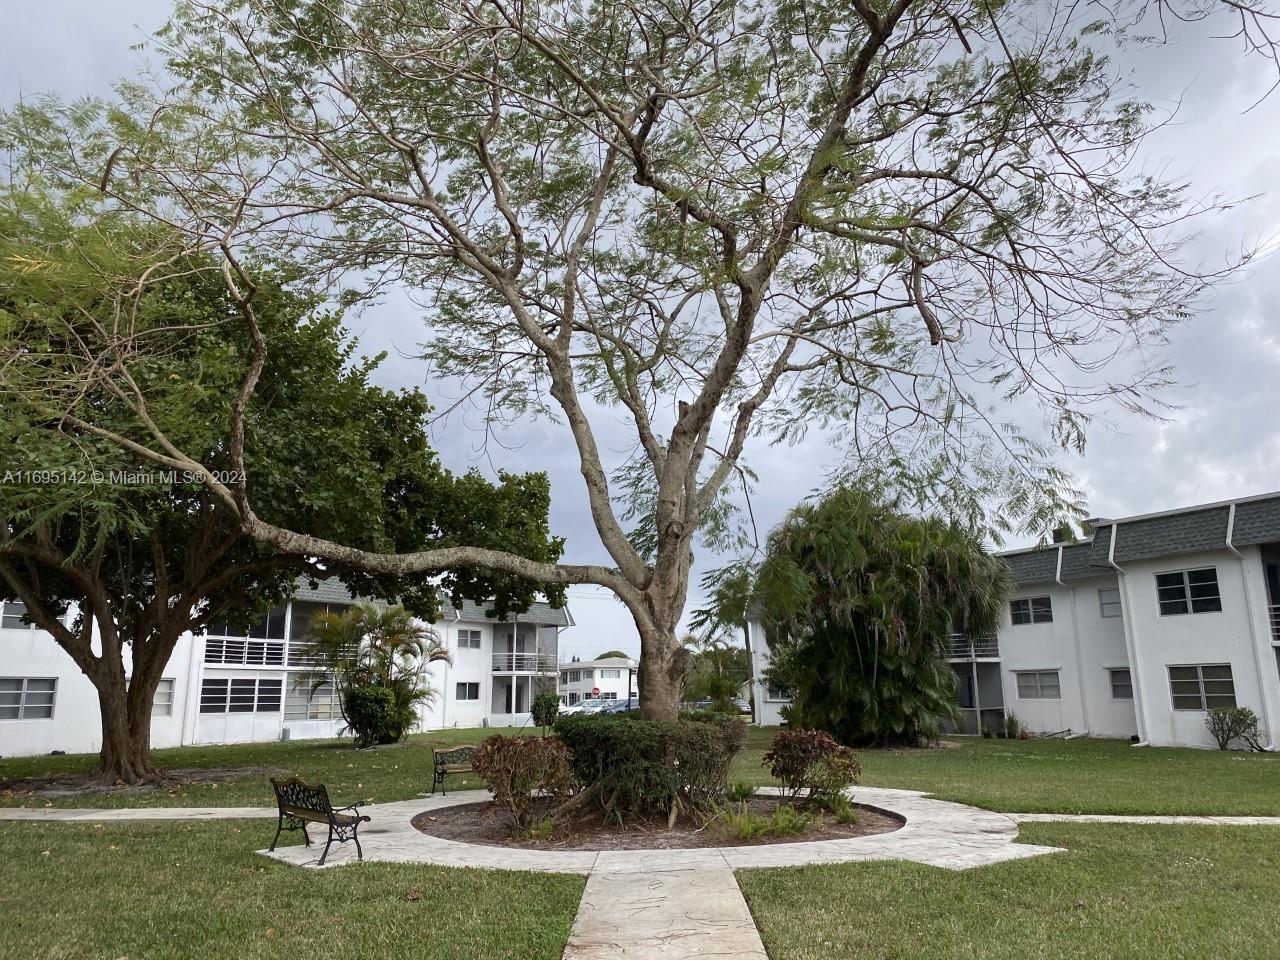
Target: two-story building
<point>231,686</point>
<point>613,677</point>
<point>1137,631</point>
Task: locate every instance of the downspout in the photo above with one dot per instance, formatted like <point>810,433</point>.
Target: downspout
<point>1253,633</point>
<point>1075,640</point>
<point>1130,640</point>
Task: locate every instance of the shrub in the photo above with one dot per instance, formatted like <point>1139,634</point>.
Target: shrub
<point>739,791</point>
<point>842,808</point>
<point>1231,723</point>
<point>811,761</point>
<point>744,824</point>
<point>1012,726</point>
<point>545,709</point>
<point>515,769</point>
<point>633,765</point>
<point>372,715</point>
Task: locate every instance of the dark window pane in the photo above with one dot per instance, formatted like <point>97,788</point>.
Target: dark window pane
<point>1164,580</point>
<point>1173,607</point>
<point>1214,703</point>
<point>213,696</point>
<point>1186,703</point>
<point>1206,605</point>
<point>1201,577</point>
<point>1217,671</point>
<point>1183,673</point>
<point>242,695</point>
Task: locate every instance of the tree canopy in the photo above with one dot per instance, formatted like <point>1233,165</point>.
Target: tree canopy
<point>714,221</point>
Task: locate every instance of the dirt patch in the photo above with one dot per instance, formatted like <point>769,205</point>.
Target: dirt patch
<point>484,823</point>
<point>84,784</point>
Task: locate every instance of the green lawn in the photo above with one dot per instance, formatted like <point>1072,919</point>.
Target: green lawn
<point>197,890</point>
<point>1121,893</point>
<point>1051,776</point>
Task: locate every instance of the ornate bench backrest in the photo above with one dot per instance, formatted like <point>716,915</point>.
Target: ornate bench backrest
<point>298,795</point>
<point>453,756</point>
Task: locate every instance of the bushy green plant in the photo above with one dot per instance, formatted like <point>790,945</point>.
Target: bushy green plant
<point>842,808</point>
<point>1233,723</point>
<point>516,769</point>
<point>811,762</point>
<point>1013,727</point>
<point>739,791</point>
<point>371,714</point>
<point>545,709</point>
<point>634,765</point>
<point>742,823</point>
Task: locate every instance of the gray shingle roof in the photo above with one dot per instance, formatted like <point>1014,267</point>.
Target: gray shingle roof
<point>1196,528</point>
<point>332,591</point>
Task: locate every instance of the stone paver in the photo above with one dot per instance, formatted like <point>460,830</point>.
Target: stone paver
<point>1143,818</point>
<point>663,916</point>
<point>936,832</point>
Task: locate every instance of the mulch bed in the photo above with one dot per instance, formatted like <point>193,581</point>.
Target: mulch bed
<point>484,823</point>
<point>85,784</point>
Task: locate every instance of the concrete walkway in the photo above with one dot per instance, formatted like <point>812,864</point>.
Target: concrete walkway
<point>81,814</point>
<point>663,916</point>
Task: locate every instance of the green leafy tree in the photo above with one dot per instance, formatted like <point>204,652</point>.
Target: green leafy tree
<point>857,599</point>
<point>717,671</point>
<point>705,222</point>
<point>122,556</point>
<point>380,648</point>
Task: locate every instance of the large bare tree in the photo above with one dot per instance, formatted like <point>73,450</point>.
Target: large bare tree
<point>721,219</point>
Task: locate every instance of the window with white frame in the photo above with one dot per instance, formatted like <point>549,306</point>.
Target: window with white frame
<point>467,691</point>
<point>573,676</point>
<point>1109,602</point>
<point>1188,591</point>
<point>240,695</point>
<point>1038,685</point>
<point>468,639</point>
<point>307,701</point>
<point>1121,683</point>
<point>608,695</point>
<point>262,645</point>
<point>610,674</point>
<point>588,675</point>
<point>11,614</point>
<point>1031,610</point>
<point>776,693</point>
<point>162,699</point>
<point>27,698</point>
<point>574,698</point>
<point>1202,686</point>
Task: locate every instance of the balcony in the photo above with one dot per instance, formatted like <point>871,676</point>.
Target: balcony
<point>524,663</point>
<point>957,647</point>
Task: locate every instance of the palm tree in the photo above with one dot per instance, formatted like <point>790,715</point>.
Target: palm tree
<point>366,647</point>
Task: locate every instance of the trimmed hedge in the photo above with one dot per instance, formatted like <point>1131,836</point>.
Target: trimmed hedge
<point>633,765</point>
<point>371,713</point>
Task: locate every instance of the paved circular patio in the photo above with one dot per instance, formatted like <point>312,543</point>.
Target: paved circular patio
<point>936,832</point>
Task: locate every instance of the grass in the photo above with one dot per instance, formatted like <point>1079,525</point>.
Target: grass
<point>1032,776</point>
<point>196,890</point>
<point>1077,776</point>
<point>1120,893</point>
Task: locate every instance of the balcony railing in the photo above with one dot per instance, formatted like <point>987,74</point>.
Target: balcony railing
<point>1274,612</point>
<point>524,663</point>
<point>957,647</point>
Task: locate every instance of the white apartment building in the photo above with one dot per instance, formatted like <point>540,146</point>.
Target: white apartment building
<point>229,687</point>
<point>1135,633</point>
<point>613,677</point>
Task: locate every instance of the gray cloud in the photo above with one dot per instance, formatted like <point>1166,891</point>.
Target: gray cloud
<point>1221,441</point>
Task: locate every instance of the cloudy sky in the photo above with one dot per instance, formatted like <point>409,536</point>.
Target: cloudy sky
<point>1222,441</point>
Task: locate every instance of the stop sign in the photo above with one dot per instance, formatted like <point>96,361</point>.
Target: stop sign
<point>595,691</point>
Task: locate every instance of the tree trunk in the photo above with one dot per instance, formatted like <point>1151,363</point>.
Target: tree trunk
<point>663,661</point>
<point>126,734</point>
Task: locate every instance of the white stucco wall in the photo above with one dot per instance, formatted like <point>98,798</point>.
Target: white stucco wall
<point>1038,647</point>
<point>767,711</point>
<point>1227,636</point>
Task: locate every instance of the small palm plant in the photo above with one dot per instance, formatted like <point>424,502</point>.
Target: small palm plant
<point>377,658</point>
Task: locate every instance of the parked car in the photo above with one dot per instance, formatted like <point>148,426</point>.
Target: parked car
<point>590,705</point>
<point>621,705</point>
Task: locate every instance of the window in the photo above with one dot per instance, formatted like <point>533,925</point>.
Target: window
<point>27,698</point>
<point>587,675</point>
<point>240,695</point>
<point>468,639</point>
<point>574,698</point>
<point>776,693</point>
<point>574,676</point>
<point>262,645</point>
<point>270,627</point>
<point>1188,591</point>
<point>610,674</point>
<point>1031,610</point>
<point>608,695</point>
<point>1109,602</point>
<point>308,702</point>
<point>468,691</point>
<point>1038,685</point>
<point>11,614</point>
<point>1121,684</point>
<point>1202,686</point>
<point>162,702</point>
<point>564,677</point>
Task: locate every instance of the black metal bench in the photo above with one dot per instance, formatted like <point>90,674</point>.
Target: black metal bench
<point>447,760</point>
<point>300,803</point>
